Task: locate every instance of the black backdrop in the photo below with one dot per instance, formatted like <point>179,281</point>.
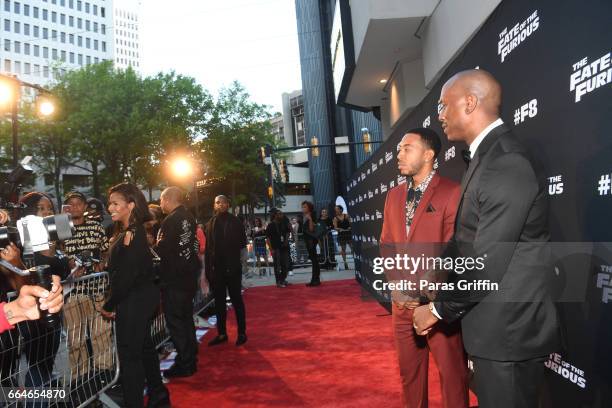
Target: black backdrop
<point>553,60</point>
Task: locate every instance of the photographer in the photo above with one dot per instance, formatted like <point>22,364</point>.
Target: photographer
<point>89,235</point>
<point>42,341</point>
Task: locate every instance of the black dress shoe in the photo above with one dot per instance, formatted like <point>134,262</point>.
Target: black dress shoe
<point>221,338</point>
<point>159,398</point>
<point>242,338</point>
<point>176,372</point>
<point>311,284</point>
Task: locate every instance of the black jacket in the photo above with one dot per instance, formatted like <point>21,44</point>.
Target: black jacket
<point>227,251</point>
<point>503,213</point>
<point>177,246</point>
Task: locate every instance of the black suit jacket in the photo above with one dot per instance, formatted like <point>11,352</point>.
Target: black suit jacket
<point>503,214</point>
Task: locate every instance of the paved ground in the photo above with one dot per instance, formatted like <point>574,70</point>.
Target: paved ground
<point>300,275</point>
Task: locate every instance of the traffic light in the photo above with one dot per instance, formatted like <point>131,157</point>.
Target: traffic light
<point>270,192</point>
<point>367,147</point>
<point>284,171</point>
<point>315,150</point>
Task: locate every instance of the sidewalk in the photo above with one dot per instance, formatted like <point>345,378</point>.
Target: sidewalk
<point>300,276</point>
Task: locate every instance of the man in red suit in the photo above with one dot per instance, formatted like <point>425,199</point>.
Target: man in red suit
<point>419,217</point>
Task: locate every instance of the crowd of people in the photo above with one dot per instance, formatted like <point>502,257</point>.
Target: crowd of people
<point>303,238</point>
<point>154,254</point>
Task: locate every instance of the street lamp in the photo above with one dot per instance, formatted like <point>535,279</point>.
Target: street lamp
<point>6,92</point>
<point>181,167</point>
<point>46,107</point>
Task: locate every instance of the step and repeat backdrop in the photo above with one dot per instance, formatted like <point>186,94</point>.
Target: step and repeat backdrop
<point>554,63</point>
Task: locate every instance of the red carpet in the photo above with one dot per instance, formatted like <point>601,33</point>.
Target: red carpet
<point>308,347</point>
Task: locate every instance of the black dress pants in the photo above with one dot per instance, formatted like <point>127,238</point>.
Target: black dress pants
<point>281,257</point>
<point>228,278</point>
<point>508,384</point>
<point>311,247</point>
<point>178,310</point>
<point>137,355</point>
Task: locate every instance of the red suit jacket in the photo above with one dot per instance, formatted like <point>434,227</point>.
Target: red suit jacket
<point>433,220</point>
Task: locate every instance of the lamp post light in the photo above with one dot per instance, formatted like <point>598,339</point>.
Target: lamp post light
<point>10,94</point>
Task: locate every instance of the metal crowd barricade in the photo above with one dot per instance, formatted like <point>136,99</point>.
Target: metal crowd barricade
<point>328,251</point>
<point>77,357</point>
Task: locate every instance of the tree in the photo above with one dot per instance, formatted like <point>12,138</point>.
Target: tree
<point>237,129</point>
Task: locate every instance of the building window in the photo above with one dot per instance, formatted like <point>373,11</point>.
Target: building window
<point>17,46</point>
<point>88,59</point>
<point>80,41</point>
<point>45,33</point>
<point>63,37</point>
<point>79,23</point>
<point>27,68</point>
<point>7,65</point>
<point>26,29</point>
<point>95,27</point>
<point>45,14</point>
<point>86,7</point>
<point>71,4</point>
<point>46,71</point>
<point>79,5</point>
<point>103,28</point>
<point>36,70</point>
<point>95,10</point>
<point>63,19</point>
<point>45,52</point>
<point>35,13</point>
<point>96,45</point>
<point>17,67</point>
<point>7,45</point>
<point>17,27</point>
<point>26,48</point>
<point>7,25</point>
<point>102,11</point>
<point>54,53</point>
<point>54,17</point>
<point>72,57</point>
<point>17,7</point>
<point>63,56</point>
<point>87,25</point>
<point>103,46</point>
<point>71,39</point>
<point>36,31</point>
<point>80,59</point>
<point>54,35</point>
<point>7,5</point>
<point>37,50</point>
<point>87,42</point>
<point>71,21</point>
<point>63,3</point>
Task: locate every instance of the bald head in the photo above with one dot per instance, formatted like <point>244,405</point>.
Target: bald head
<point>171,198</point>
<point>222,204</point>
<point>470,101</point>
<point>481,84</point>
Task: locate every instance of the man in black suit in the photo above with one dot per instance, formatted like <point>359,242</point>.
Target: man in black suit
<point>502,217</point>
<point>177,247</point>
<point>225,238</point>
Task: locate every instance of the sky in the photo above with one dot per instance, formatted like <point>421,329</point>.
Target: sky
<point>217,42</point>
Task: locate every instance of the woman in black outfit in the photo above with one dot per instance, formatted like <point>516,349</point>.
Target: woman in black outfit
<point>309,228</point>
<point>133,298</point>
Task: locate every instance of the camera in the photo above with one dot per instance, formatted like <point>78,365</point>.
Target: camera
<point>37,231</point>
